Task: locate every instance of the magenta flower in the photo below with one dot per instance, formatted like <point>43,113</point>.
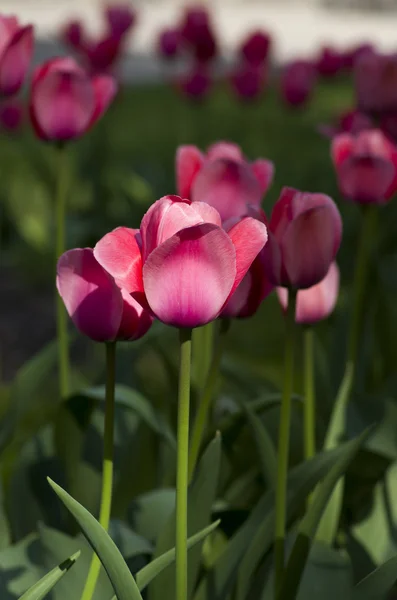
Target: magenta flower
<point>305,232</point>
<point>100,56</point>
<point>366,166</point>
<point>73,35</point>
<point>169,43</point>
<point>330,62</point>
<point>255,49</point>
<point>223,178</point>
<point>198,34</point>
<point>197,84</point>
<point>16,50</point>
<point>376,82</point>
<point>248,81</point>
<point>183,265</point>
<point>65,102</point>
<point>352,121</point>
<point>120,18</point>
<point>12,114</point>
<point>315,303</point>
<point>352,54</point>
<point>97,306</point>
<point>297,82</point>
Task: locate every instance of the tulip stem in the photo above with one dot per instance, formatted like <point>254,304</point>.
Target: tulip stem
<point>201,418</point>
<point>185,336</point>
<point>283,443</point>
<point>107,466</point>
<point>61,315</point>
<point>310,400</point>
<point>330,520</point>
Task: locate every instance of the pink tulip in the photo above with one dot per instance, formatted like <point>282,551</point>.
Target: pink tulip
<point>12,113</point>
<point>351,55</point>
<point>388,124</point>
<point>120,18</point>
<point>223,178</point>
<point>100,56</point>
<point>73,35</point>
<point>197,84</point>
<point>169,43</point>
<point>305,232</point>
<point>297,82</point>
<point>255,49</point>
<point>198,34</point>
<point>352,122</point>
<point>376,82</point>
<point>16,50</point>
<point>248,82</point>
<point>315,303</point>
<point>366,166</point>
<point>65,102</point>
<point>330,62</point>
<point>97,306</point>
<point>183,265</point>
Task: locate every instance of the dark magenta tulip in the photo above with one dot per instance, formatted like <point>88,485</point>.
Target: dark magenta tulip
<point>120,18</point>
<point>330,62</point>
<point>375,77</point>
<point>249,81</point>
<point>169,43</point>
<point>12,114</point>
<point>297,82</point>
<point>255,48</point>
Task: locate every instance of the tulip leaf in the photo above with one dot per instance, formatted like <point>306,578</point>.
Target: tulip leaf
<point>309,524</point>
<point>377,584</point>
<point>40,589</point>
<point>119,574</point>
<point>202,494</point>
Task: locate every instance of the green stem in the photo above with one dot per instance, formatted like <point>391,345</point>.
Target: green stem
<point>61,316</point>
<point>310,400</point>
<point>283,443</point>
<point>201,418</point>
<point>330,520</point>
<point>107,466</point>
<point>202,341</point>
<point>182,463</point>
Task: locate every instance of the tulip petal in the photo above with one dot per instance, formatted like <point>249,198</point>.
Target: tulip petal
<point>189,161</point>
<point>282,212</point>
<point>249,237</point>
<point>308,247</point>
<point>264,172</point>
<point>118,252</point>
<point>225,150</point>
<point>272,260</point>
<point>228,186</point>
<point>15,61</point>
<point>341,148</point>
<point>367,179</point>
<point>189,277</point>
<point>135,321</point>
<point>105,90</point>
<point>91,296</point>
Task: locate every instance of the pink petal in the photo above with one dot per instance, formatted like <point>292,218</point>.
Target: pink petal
<point>118,252</point>
<point>189,161</point>
<point>9,25</point>
<point>105,90</point>
<point>341,148</point>
<point>282,212</point>
<point>303,201</point>
<point>135,321</point>
<point>249,237</point>
<point>91,296</point>
<point>225,150</point>
<point>308,247</point>
<point>367,179</point>
<point>264,172</point>
<point>188,278</point>
<point>15,61</point>
<point>228,186</point>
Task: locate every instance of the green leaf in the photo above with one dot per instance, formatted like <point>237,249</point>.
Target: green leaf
<point>377,584</point>
<point>45,585</point>
<point>328,573</point>
<point>119,574</point>
<point>202,494</point>
<point>308,526</point>
<point>136,402</point>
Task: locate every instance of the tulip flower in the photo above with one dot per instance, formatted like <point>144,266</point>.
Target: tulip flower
<point>183,265</point>
<point>169,43</point>
<point>100,56</point>
<point>73,35</point>
<point>255,49</point>
<point>352,122</point>
<point>297,82</point>
<point>330,62</point>
<point>351,55</point>
<point>12,113</point>
<point>305,232</point>
<point>223,178</point>
<point>316,303</point>
<point>65,102</point>
<point>120,18</point>
<point>198,35</point>
<point>248,82</point>
<point>375,78</point>
<point>97,306</point>
<point>16,51</point>
<point>366,166</point>
<point>197,84</point>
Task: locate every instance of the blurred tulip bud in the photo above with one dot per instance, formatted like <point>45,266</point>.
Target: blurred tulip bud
<point>297,82</point>
<point>120,18</point>
<point>197,84</point>
<point>73,35</point>
<point>375,78</point>
<point>16,51</point>
<point>12,113</point>
<point>169,43</point>
<point>255,49</point>
<point>330,62</point>
<point>248,82</point>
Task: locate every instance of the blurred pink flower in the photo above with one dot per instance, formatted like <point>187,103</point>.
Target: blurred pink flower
<point>98,307</point>
<point>366,166</point>
<point>198,34</point>
<point>330,62</point>
<point>169,43</point>
<point>73,35</point>
<point>256,47</point>
<point>65,102</point>
<point>297,82</point>
<point>183,265</point>
<point>315,303</point>
<point>16,51</point>
<point>375,78</point>
<point>120,18</point>
<point>223,178</point>
<point>101,56</point>
<point>12,114</point>
<point>352,121</point>
<point>197,84</point>
<point>249,81</point>
<point>305,232</point>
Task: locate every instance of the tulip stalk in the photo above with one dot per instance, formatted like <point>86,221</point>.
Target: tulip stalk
<point>284,442</point>
<point>201,418</point>
<point>330,520</point>
<point>107,466</point>
<point>61,316</point>
<point>185,336</point>
<point>309,395</point>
